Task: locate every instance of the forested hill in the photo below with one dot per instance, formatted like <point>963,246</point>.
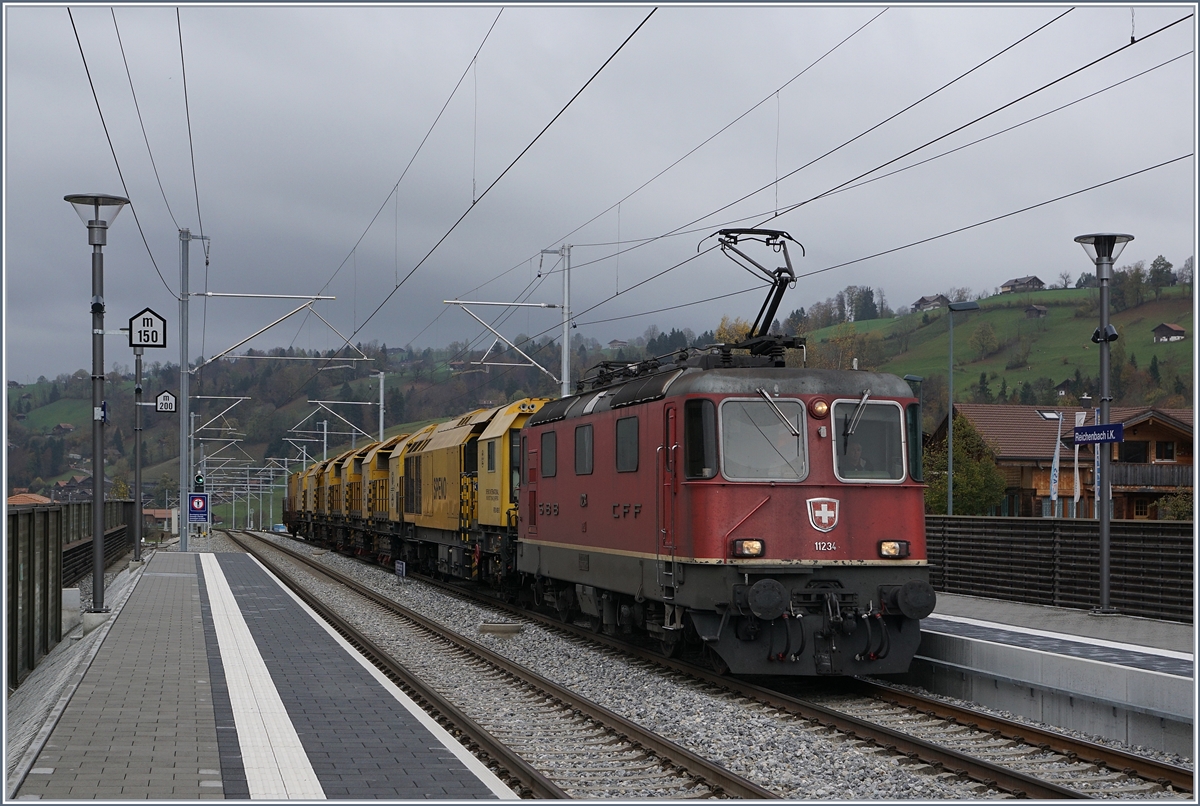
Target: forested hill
<point>1019,348</point>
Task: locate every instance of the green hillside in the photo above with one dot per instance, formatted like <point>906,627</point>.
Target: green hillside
<point>1026,350</point>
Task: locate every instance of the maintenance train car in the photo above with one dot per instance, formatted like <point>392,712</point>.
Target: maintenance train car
<point>769,517</point>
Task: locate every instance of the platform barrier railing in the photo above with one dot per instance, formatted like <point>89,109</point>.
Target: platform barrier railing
<point>1056,561</point>
<point>48,547</point>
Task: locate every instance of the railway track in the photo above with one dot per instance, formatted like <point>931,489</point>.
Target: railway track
<point>554,743</point>
<point>1017,758</point>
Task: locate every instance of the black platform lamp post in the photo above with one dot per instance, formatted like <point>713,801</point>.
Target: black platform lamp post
<point>97,211</point>
<point>1104,248</point>
<point>953,306</point>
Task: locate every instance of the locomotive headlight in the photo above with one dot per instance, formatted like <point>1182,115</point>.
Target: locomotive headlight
<point>747,548</point>
<point>893,549</point>
<point>818,408</point>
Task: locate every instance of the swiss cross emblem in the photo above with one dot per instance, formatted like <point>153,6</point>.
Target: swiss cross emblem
<point>823,513</point>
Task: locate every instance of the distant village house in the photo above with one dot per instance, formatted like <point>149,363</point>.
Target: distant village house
<point>1036,312</point>
<point>1020,284</point>
<point>1169,332</point>
<point>929,303</point>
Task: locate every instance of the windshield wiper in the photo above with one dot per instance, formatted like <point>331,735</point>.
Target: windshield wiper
<point>852,423</point>
<point>783,418</point>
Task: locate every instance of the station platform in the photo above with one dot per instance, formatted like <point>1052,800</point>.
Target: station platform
<point>1120,677</point>
<point>215,682</point>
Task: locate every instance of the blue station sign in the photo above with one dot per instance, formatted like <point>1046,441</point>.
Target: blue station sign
<point>1087,434</point>
<point>197,508</point>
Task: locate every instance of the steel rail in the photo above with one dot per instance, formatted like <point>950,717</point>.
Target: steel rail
<point>1150,769</point>
<point>719,778</point>
<point>424,694</point>
<point>983,771</point>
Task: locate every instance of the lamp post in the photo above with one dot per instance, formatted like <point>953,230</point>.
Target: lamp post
<point>953,306</point>
<point>97,211</point>
<point>1104,248</point>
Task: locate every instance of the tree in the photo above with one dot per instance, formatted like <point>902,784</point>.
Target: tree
<point>1064,279</point>
<point>983,391</point>
<point>984,339</point>
<point>1154,373</point>
<point>731,331</point>
<point>1160,275</point>
<point>978,484</point>
<point>1175,507</point>
<point>1087,280</point>
<point>1185,273</point>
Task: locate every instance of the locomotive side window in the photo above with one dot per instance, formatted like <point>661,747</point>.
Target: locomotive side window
<point>514,464</point>
<point>915,470</point>
<point>627,445</point>
<point>583,450</point>
<point>699,439</point>
<point>491,455</point>
<point>757,445</point>
<point>549,454</point>
<point>875,449</point>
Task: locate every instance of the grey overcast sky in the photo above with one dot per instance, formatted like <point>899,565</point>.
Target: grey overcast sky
<point>303,118</point>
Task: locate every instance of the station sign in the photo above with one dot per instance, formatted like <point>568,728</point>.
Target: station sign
<point>147,329</point>
<point>198,508</point>
<point>1089,434</point>
<point>165,402</point>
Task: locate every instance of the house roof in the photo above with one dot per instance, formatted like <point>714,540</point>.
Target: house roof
<point>1022,280</point>
<point>1172,328</point>
<point>1022,432</point>
<point>1041,308</point>
<point>24,499</point>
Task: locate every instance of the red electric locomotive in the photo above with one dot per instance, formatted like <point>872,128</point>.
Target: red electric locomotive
<point>773,516</point>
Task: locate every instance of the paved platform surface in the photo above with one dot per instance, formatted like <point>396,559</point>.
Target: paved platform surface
<point>215,682</point>
<point>1141,643</point>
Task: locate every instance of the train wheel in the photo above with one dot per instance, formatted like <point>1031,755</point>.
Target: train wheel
<point>669,648</point>
<point>596,623</point>
<point>717,663</point>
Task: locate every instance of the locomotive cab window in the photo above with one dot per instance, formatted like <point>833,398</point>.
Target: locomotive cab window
<point>763,441</point>
<point>868,441</point>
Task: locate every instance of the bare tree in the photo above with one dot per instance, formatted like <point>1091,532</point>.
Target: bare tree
<point>1064,279</point>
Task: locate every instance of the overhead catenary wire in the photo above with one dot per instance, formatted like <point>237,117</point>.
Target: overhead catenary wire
<point>141,123</point>
<point>861,176</point>
<point>503,173</point>
<point>117,162</point>
<point>864,258</point>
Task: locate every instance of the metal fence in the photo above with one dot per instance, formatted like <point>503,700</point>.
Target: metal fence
<point>39,540</point>
<point>1056,561</point>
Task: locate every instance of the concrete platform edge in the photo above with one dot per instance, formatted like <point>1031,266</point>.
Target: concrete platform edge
<point>36,746</point>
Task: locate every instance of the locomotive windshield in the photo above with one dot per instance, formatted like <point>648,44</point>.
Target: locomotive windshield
<point>875,449</point>
<point>756,444</point>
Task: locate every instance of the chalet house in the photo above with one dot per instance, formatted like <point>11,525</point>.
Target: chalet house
<point>1020,284</point>
<point>1036,312</point>
<point>63,428</point>
<point>1063,388</point>
<point>617,344</point>
<point>14,385</point>
<point>1154,460</point>
<point>1169,332</point>
<point>929,303</point>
